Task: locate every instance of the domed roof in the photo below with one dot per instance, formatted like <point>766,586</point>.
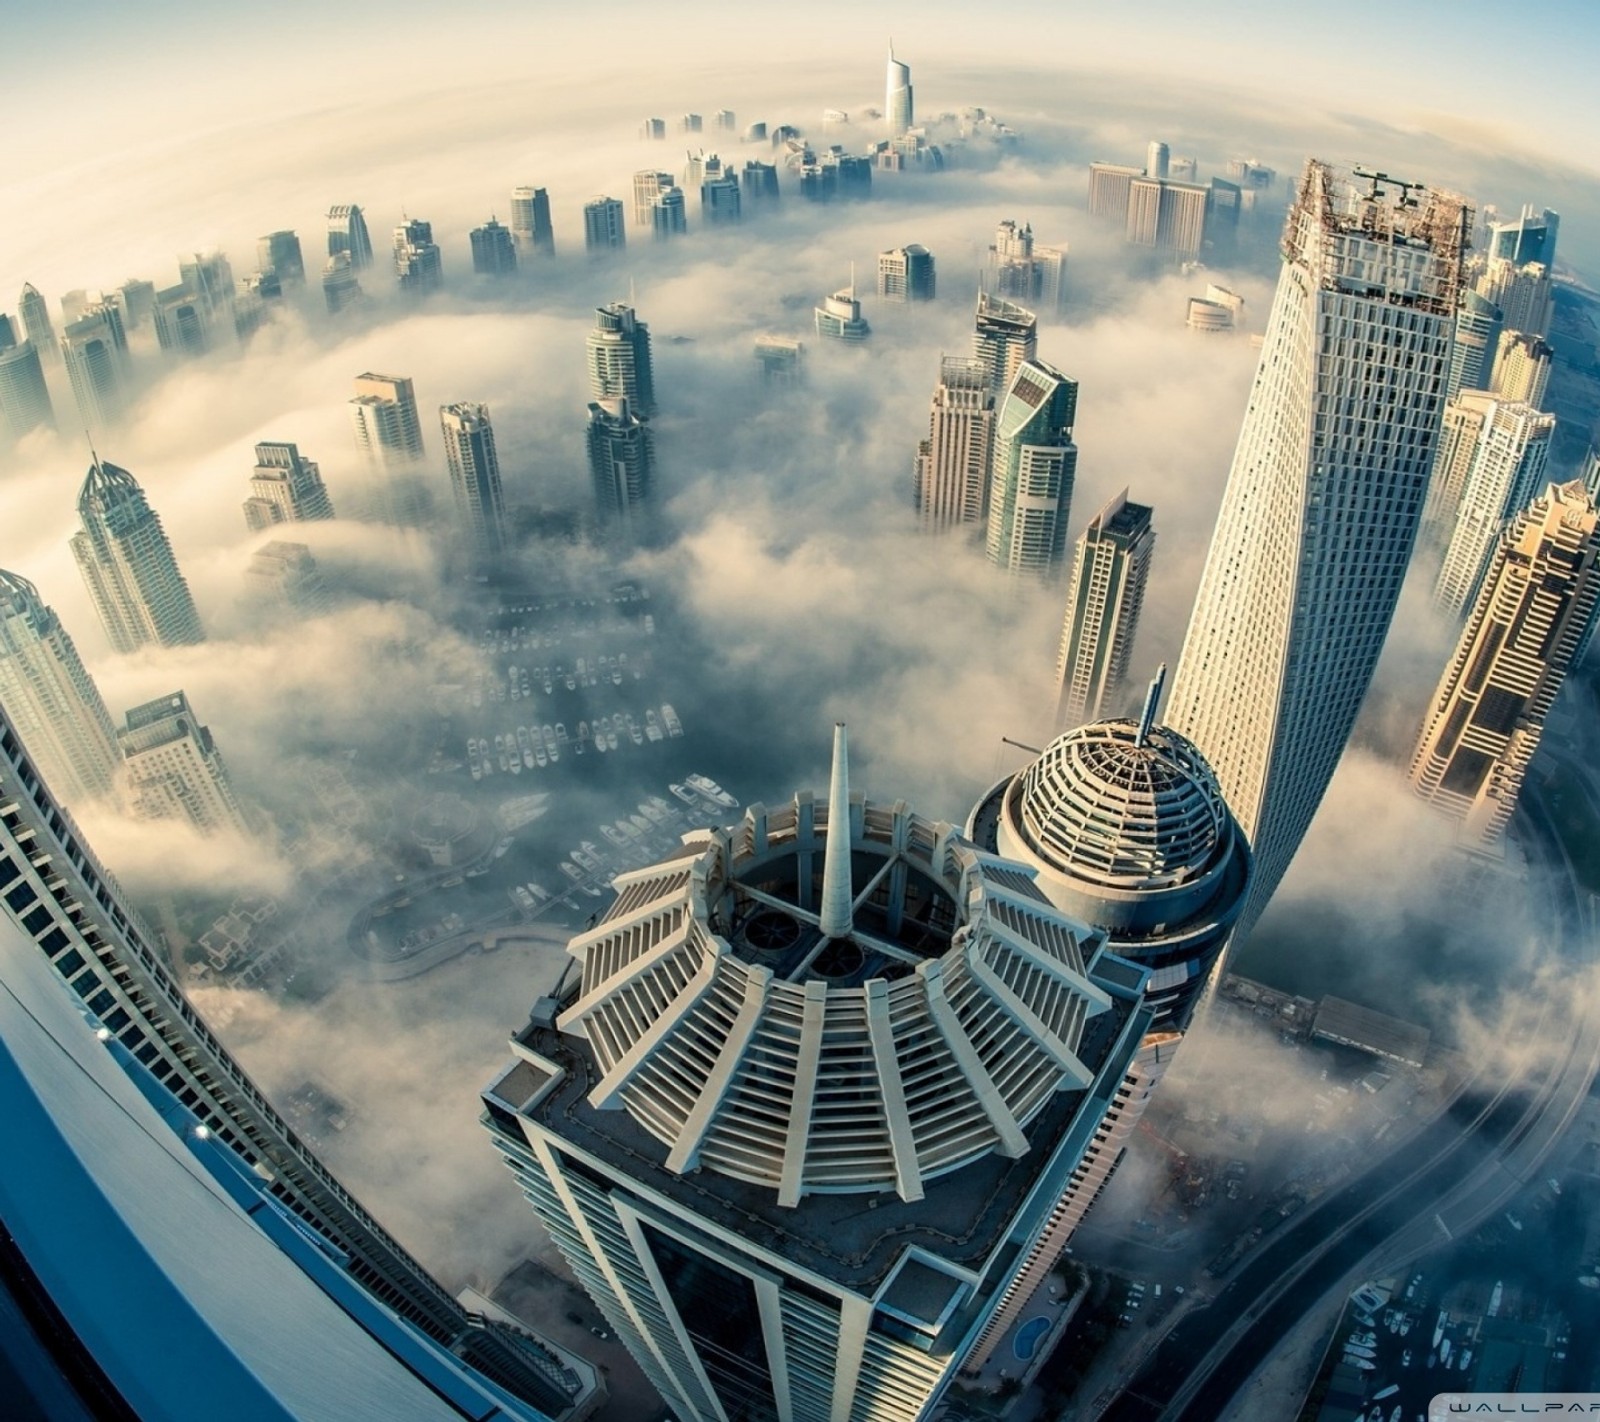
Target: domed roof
<point>1115,808</point>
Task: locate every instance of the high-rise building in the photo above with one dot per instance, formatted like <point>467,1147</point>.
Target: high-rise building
<point>1157,159</point>
<point>1035,463</point>
<point>617,352</point>
<point>1104,599</point>
<point>653,130</point>
<point>648,185</point>
<point>782,361</point>
<point>839,318</point>
<point>1476,337</point>
<point>1009,269</point>
<point>691,123</point>
<point>726,120</point>
<point>127,564</point>
<point>64,913</point>
<point>621,463</point>
<point>172,769</point>
<point>1250,173</point>
<point>759,184</point>
<point>475,476</point>
<point>136,300</point>
<point>953,463</point>
<point>797,1137</point>
<point>1322,503</point>
<point>208,277</point>
<point>668,215</point>
<point>417,264</point>
<point>1111,191</point>
<point>97,367</point>
<point>1521,368</point>
<point>50,697</point>
<point>283,577</point>
<point>898,107</point>
<point>1459,429</point>
<point>279,252</point>
<point>1517,274</point>
<point>755,133</point>
<point>530,222</point>
<point>1166,216</point>
<point>720,200</point>
<point>1005,335</point>
<point>1050,268</point>
<point>1182,169</point>
<point>24,397</point>
<point>183,323</point>
<point>347,232</point>
<point>906,274</point>
<point>35,313</point>
<point>341,287</point>
<point>388,432</point>
<point>494,253</point>
<point>1529,622</point>
<point>1507,468</point>
<point>285,488</point>
<point>603,229</point>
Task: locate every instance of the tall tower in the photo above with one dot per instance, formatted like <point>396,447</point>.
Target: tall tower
<point>97,368</point>
<point>906,274</point>
<point>530,222</point>
<point>1322,503</point>
<point>24,397</point>
<point>35,313</point>
<point>954,462</point>
<point>1157,159</point>
<point>1004,336</point>
<point>604,229</point>
<point>475,476</point>
<point>1035,462</point>
<point>1104,599</point>
<point>1472,358</point>
<point>418,265</point>
<point>899,111</point>
<point>285,488</point>
<point>494,253</point>
<point>388,433</point>
<point>51,698</point>
<point>796,1146</point>
<point>648,185</point>
<point>173,770</point>
<point>279,253</point>
<point>1528,624</point>
<point>1517,276</point>
<point>1521,368</point>
<point>127,564</point>
<point>621,463</point>
<point>668,215</point>
<point>341,287</point>
<point>617,352</point>
<point>347,232</point>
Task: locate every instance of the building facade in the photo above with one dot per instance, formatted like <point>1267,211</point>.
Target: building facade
<point>280,254</point>
<point>669,216</point>
<point>172,769</point>
<point>1004,336</point>
<point>1035,465</point>
<point>648,185</point>
<point>494,251</point>
<point>906,274</point>
<point>283,578</point>
<point>839,318</point>
<point>418,265</point>
<point>899,108</point>
<point>24,397</point>
<point>953,464</point>
<point>617,352</point>
<point>388,431</point>
<point>475,477</point>
<point>621,464</point>
<point>285,488</point>
<point>530,222</point>
<point>603,228</point>
<point>97,367</point>
<point>347,233</point>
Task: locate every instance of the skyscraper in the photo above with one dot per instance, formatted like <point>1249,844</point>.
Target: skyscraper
<point>648,185</point>
<point>1521,368</point>
<point>1322,503</point>
<point>839,318</point>
<point>24,397</point>
<point>1517,275</point>
<point>1169,217</point>
<point>35,313</point>
<point>347,232</point>
<point>1035,462</point>
<point>172,769</point>
<point>668,215</point>
<point>50,697</point>
<point>283,577</point>
<point>494,253</point>
<point>603,229</point>
<point>796,1143</point>
<point>285,488</point>
<point>621,464</point>
<point>97,368</point>
<point>898,108</point>
<point>953,463</point>
<point>759,184</point>
<point>279,253</point>
<point>906,274</point>
<point>782,361</point>
<point>530,222</point>
<point>183,322</point>
<point>341,287</point>
<point>1104,599</point>
<point>127,564</point>
<point>208,277</point>
<point>475,476</point>
<point>1477,334</point>
<point>63,910</point>
<point>1460,426</point>
<point>136,300</point>
<point>417,263</point>
<point>388,433</point>
<point>1111,191</point>
<point>1529,622</point>
<point>1506,469</point>
<point>617,352</point>
<point>1050,266</point>
<point>1004,336</point>
<point>1157,159</point>
<point>720,200</point>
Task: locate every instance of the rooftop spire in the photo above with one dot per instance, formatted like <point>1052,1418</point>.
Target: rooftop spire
<point>837,889</point>
<point>1152,700</point>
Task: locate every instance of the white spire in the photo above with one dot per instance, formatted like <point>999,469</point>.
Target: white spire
<point>837,889</point>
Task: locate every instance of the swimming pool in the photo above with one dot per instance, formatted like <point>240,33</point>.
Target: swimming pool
<point>1029,1335</point>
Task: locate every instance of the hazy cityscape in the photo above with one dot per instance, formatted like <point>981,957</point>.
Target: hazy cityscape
<point>853,730</point>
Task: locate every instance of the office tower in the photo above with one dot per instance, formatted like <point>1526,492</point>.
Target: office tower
<point>839,318</point>
<point>617,352</point>
<point>494,253</point>
<point>719,200</point>
<point>1521,368</point>
<point>209,279</point>
<point>603,229</point>
<point>389,436</point>
<point>1209,317</point>
<point>97,368</point>
<point>668,216</point>
<point>691,123</point>
<point>726,120</point>
<point>35,313</point>
<point>279,252</point>
<point>1166,216</point>
<point>1050,269</point>
<point>347,233</point>
<point>701,167</point>
<point>283,578</point>
<point>1322,503</point>
<point>899,111</point>
<point>51,699</point>
<point>648,185</point>
<point>1507,468</point>
<point>127,564</point>
<point>1157,159</point>
<point>854,175</point>
<point>530,222</point>
<point>1477,334</point>
<point>1035,462</point>
<point>1220,218</point>
<point>1104,598</point>
<point>285,488</point>
<point>953,463</point>
<point>653,130</point>
<point>755,133</point>
<point>183,325</point>
<point>1529,622</point>
<point>1459,429</point>
<point>24,397</point>
<point>1005,335</point>
<point>475,477</point>
<point>796,1144</point>
<point>759,184</point>
<point>621,462</point>
<point>136,300</point>
<point>782,361</point>
<point>417,263</point>
<point>1009,267</point>
<point>172,769</point>
<point>1250,173</point>
<point>62,910</point>
<point>341,288</point>
<point>1111,191</point>
<point>1522,291</point>
<point>906,274</point>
